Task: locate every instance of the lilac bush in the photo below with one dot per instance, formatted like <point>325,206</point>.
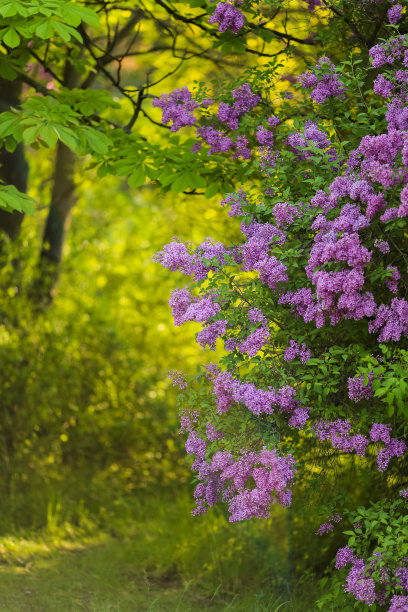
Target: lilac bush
<point>310,302</point>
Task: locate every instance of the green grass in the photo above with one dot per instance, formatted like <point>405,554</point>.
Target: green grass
<point>153,557</point>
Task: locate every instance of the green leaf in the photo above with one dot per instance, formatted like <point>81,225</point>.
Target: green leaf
<point>137,178</point>
<point>45,30</point>
<point>31,133</point>
<point>48,135</point>
<point>211,191</point>
<point>181,183</point>
<point>97,141</point>
<point>11,38</point>
<point>67,138</point>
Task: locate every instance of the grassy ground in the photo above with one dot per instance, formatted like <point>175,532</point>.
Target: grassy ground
<point>156,558</point>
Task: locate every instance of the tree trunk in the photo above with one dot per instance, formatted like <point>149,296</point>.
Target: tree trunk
<point>13,166</point>
<point>59,214</point>
<point>62,200</point>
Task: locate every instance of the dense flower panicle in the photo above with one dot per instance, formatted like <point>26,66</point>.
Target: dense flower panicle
<point>344,556</point>
<point>357,390</point>
<point>218,141</point>
<point>179,301</point>
<point>294,350</point>
<point>311,134</point>
<point>242,148</point>
<point>392,283</point>
<point>245,99</point>
<point>404,493</point>
<point>394,448</point>
<point>177,106</point>
<point>325,85</point>
<point>175,256</point>
<point>388,53</point>
<point>359,585</point>
<point>392,320</point>
<point>399,603</point>
<point>271,272</point>
<point>256,316</point>
<point>259,238</point>
<point>273,121</point>
<point>208,336</point>
<point>380,432</point>
<point>255,341</point>
<point>228,17</point>
<point>394,14</point>
<point>299,418</point>
<point>201,310</point>
<point>284,213</point>
<point>225,477</point>
<point>264,137</point>
<point>382,246</point>
<point>402,575</point>
<point>383,87</point>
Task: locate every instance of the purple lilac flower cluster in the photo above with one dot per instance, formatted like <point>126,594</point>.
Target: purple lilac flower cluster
<point>358,391</point>
<point>228,17</point>
<point>235,201</point>
<point>323,81</point>
<point>177,106</point>
<point>311,134</point>
<point>338,433</point>
<point>229,390</point>
<point>294,350</point>
<point>359,581</point>
<point>328,526</point>
<point>255,341</point>
<point>224,478</point>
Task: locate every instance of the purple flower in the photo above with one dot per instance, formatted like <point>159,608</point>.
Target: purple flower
<point>177,106</point>
<point>399,603</point>
<point>209,334</point>
<point>394,14</point>
<point>178,379</point>
<point>383,87</point>
<point>344,556</point>
<point>213,434</point>
<point>324,528</point>
<point>228,17</point>
<point>380,432</point>
<point>356,389</point>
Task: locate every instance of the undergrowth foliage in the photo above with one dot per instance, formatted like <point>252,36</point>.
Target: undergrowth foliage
<point>311,303</point>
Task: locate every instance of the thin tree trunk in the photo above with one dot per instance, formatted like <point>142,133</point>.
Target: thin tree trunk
<point>62,201</point>
<point>13,166</point>
<point>59,214</point>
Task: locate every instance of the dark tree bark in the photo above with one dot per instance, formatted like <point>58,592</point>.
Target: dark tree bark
<point>13,166</point>
<point>59,213</point>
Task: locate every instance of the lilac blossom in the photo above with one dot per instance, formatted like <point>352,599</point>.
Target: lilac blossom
<point>235,201</point>
<point>178,379</point>
<point>394,14</point>
<point>228,17</point>
<point>344,556</point>
<point>324,84</point>
<point>357,390</point>
<point>177,106</point>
